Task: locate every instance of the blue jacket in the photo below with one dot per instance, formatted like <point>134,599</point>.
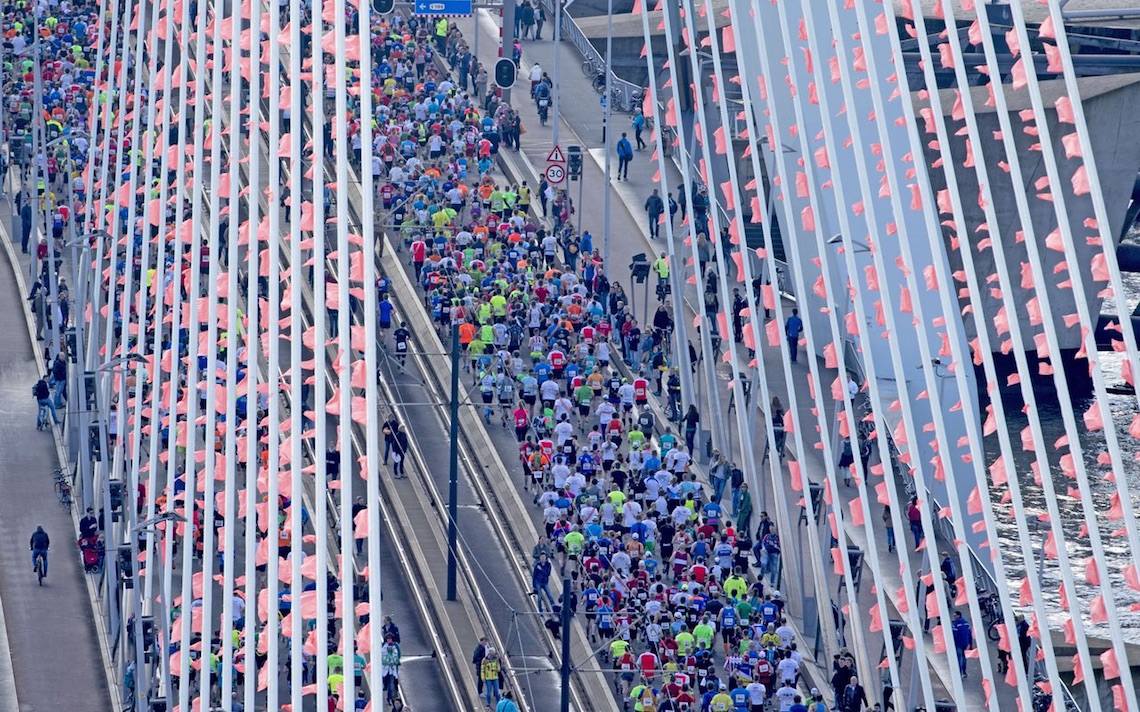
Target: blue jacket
<point>540,576</point>
<point>963,636</point>
<point>793,326</point>
<point>624,148</point>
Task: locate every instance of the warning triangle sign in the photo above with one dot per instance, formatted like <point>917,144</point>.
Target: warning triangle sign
<point>556,156</point>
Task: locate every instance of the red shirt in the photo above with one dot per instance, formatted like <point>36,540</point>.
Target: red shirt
<point>640,390</point>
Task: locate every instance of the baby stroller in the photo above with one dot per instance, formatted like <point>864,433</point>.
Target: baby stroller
<point>93,552</point>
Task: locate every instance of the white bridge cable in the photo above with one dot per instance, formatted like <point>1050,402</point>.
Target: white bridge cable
<point>942,443</point>
<point>145,324</point>
<point>852,227</point>
<point>227,328</point>
<point>980,158</point>
<point>753,324</point>
<point>813,545</point>
<point>1088,327</point>
<point>816,181</point>
<point>977,452</point>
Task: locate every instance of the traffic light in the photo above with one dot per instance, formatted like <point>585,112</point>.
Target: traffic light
<point>574,161</point>
<point>639,267</point>
<point>505,71</point>
<point>383,7</point>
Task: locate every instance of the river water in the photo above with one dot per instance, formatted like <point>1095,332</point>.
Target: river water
<point>1117,549</point>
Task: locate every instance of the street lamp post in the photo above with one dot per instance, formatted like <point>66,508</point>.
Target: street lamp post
<point>559,8</point>
<point>606,136</point>
<point>121,366</point>
<point>149,526</point>
<point>78,390</point>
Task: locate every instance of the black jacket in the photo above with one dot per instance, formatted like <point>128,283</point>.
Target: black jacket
<point>39,541</point>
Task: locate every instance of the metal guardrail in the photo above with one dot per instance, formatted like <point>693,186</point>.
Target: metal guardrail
<point>626,95</point>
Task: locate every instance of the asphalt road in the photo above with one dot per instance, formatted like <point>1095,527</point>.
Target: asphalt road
<point>55,655</point>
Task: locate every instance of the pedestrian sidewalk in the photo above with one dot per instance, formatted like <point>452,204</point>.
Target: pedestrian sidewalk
<point>581,123</point>
<point>49,631</point>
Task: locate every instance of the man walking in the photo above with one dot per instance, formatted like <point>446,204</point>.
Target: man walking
<point>963,639</point>
<point>540,582</point>
<point>792,329</point>
<point>638,127</point>
<point>477,660</point>
<point>654,206</point>
<point>854,697</point>
<point>625,156</point>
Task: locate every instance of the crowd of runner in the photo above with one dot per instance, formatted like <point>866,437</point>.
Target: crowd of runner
<point>675,578</point>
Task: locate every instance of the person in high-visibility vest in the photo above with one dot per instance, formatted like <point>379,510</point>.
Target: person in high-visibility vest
<point>441,34</point>
<point>661,269</point>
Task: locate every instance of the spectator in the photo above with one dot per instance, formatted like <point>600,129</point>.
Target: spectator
<point>625,156</point>
<point>654,207</point>
<point>42,393</point>
<point>854,697</point>
<point>793,327</point>
<point>390,668</point>
<point>490,671</point>
<point>963,639</point>
<point>914,516</point>
<point>477,658</point>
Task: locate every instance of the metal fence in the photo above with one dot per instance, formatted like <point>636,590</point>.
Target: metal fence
<point>627,96</point>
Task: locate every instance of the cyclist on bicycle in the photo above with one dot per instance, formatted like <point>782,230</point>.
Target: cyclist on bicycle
<point>42,393</point>
<point>39,544</point>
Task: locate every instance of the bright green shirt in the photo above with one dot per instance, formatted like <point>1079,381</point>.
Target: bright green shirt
<point>574,542</point>
<point>684,642</point>
<point>704,634</point>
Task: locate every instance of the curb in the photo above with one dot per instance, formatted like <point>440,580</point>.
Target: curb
<point>101,631</point>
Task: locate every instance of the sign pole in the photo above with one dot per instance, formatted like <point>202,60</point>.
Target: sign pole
<point>453,469</point>
<point>607,138</point>
<point>566,592</point>
<point>507,49</point>
<point>557,67</point>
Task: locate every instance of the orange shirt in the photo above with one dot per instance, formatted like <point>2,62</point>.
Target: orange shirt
<point>466,333</point>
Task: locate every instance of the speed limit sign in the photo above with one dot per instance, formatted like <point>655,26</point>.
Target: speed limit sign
<point>555,173</point>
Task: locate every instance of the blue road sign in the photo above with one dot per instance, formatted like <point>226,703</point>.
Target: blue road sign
<point>444,7</point>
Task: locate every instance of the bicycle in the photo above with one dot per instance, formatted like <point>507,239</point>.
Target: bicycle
<point>591,67</point>
<point>597,74</point>
<point>991,613</point>
<point>41,567</point>
<point>63,492</point>
<point>43,416</point>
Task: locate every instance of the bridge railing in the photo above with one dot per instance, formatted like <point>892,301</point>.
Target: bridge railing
<point>626,95</point>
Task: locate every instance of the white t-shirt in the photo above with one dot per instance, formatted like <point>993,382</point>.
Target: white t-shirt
<point>787,669</point>
<point>549,389</point>
<point>786,696</point>
<point>756,693</point>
